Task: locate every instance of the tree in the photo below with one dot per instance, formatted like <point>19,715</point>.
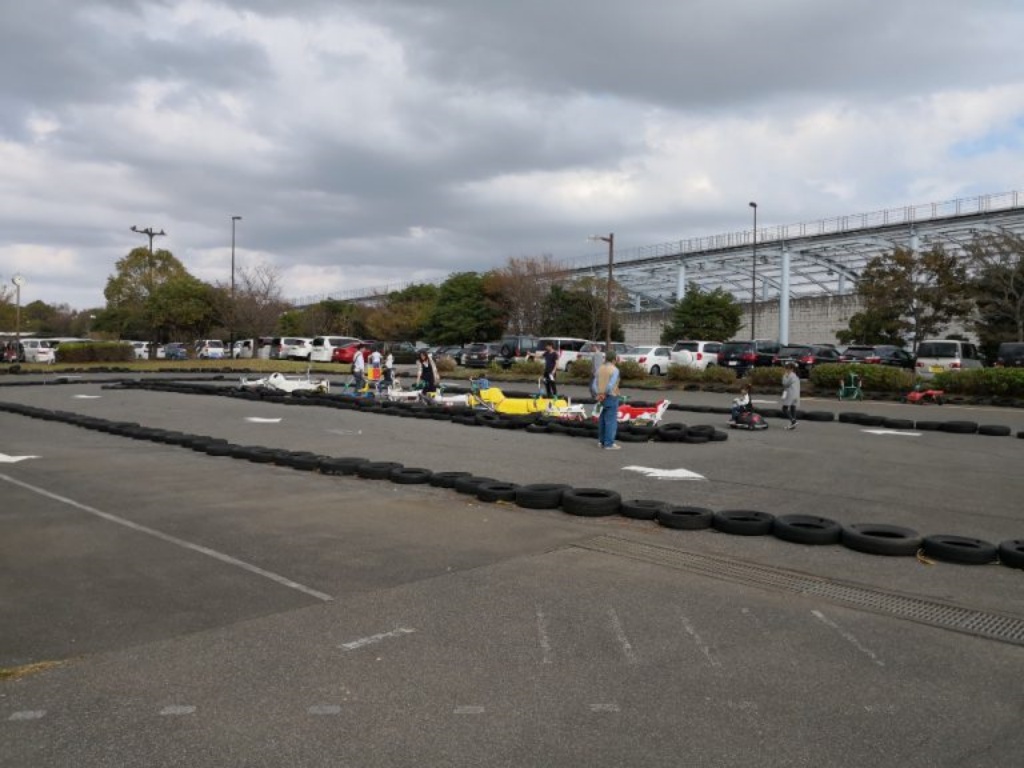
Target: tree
<point>464,311</point>
<point>130,289</point>
<point>708,315</point>
<point>258,303</point>
<point>522,286</point>
<point>579,310</point>
<point>880,326</point>
<point>998,286</point>
<point>404,315</point>
<point>183,307</point>
<point>925,290</point>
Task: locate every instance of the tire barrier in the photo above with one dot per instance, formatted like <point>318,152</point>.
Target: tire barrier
<point>871,538</point>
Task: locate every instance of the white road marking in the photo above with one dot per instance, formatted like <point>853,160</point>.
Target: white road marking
<point>28,714</point>
<point>345,431</point>
<point>178,709</point>
<point>891,432</point>
<point>605,708</point>
<point>5,459</point>
<point>848,637</point>
<point>469,709</point>
<point>372,639</point>
<point>263,420</point>
<point>765,402</point>
<point>620,634</point>
<point>283,581</point>
<point>701,645</point>
<point>87,397</point>
<point>542,633</point>
<point>324,709</point>
<point>666,474</point>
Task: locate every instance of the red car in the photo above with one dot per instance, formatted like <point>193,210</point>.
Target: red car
<point>346,353</point>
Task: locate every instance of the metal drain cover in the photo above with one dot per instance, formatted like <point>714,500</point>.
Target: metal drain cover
<point>1005,629</point>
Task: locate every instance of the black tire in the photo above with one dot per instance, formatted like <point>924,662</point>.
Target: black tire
<point>344,465</point>
<point>683,518</point>
<point>1011,553</point>
<point>850,417</point>
<point>959,549</point>
<point>807,529</point>
<point>743,522</point>
<point>591,502</point>
<point>880,539</point>
<point>629,437</point>
<point>928,426</point>
<point>701,430</point>
<point>642,509</point>
<point>819,416</point>
<point>671,433</point>
<point>218,449</point>
<point>718,436</point>
<point>695,439</point>
<point>898,423</point>
<point>960,427</point>
<point>540,495</point>
<point>410,476</point>
<point>537,429</point>
<point>377,470</point>
<point>468,484</point>
<point>868,420</point>
<point>261,456</point>
<point>994,430</point>
<point>498,491</point>
<point>655,370</point>
<point>447,479</point>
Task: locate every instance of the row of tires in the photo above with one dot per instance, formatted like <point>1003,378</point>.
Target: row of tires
<point>872,538</point>
<point>536,423</point>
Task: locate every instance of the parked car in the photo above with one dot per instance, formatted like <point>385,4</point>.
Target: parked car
<point>654,360</point>
<point>347,353</point>
<point>209,349</point>
<point>518,347</point>
<point>322,347</point>
<point>741,356</point>
<point>878,354</point>
<point>175,351</point>
<point>696,354</point>
<point>403,352</point>
<point>291,348</point>
<point>806,356</point>
<point>481,354</point>
<point>1010,355</point>
<point>453,351</point>
<point>939,355</point>
<point>36,351</point>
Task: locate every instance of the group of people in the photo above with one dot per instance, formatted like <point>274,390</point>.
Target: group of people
<point>381,368</point>
<point>790,397</point>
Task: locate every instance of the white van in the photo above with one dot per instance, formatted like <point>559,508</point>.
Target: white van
<point>323,347</point>
<point>940,355</point>
<point>568,349</point>
<point>36,351</point>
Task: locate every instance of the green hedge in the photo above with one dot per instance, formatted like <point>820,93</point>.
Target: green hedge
<point>713,374</point>
<point>994,382</point>
<point>583,369</point>
<point>874,378</point>
<point>96,352</point>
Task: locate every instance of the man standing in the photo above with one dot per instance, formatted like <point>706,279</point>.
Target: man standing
<point>550,365</point>
<point>358,368</point>
<point>607,387</point>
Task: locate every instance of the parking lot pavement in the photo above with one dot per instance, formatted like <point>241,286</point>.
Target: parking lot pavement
<point>218,612</point>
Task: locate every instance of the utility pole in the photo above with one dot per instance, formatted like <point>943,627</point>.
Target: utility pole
<point>231,332</point>
<point>610,239</point>
<point>150,233</point>
<point>753,279</point>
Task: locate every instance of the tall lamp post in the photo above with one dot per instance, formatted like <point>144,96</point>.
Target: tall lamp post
<point>231,332</point>
<point>753,279</point>
<point>150,233</point>
<point>18,281</point>
<point>610,239</point>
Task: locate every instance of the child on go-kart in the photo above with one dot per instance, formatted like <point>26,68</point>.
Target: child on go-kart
<point>740,404</point>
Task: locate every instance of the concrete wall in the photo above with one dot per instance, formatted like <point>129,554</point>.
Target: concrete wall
<point>814,319</point>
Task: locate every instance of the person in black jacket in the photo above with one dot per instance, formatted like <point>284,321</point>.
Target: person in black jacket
<point>550,358</point>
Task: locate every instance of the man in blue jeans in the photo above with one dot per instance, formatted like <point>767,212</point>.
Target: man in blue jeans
<point>606,390</point>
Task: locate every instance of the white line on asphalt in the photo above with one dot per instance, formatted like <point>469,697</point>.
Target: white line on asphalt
<point>28,714</point>
<point>666,474</point>
<point>620,634</point>
<point>469,709</point>
<point>324,709</point>
<point>542,634</point>
<point>891,432</point>
<point>178,709</point>
<point>604,708</point>
<point>848,637</point>
<point>173,540</point>
<point>263,420</point>
<point>363,641</point>
<point>5,459</point>
<point>87,397</point>
<point>701,645</point>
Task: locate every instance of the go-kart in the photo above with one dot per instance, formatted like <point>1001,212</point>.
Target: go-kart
<point>748,420</point>
<point>278,382</point>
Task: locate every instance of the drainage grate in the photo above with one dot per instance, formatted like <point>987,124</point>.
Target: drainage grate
<point>1005,629</point>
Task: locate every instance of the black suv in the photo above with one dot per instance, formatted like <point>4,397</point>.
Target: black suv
<point>1010,355</point>
<point>879,354</point>
<point>741,356</point>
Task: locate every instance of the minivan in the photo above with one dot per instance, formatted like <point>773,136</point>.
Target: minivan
<point>696,354</point>
<point>940,355</point>
<point>1010,355</point>
<point>323,347</point>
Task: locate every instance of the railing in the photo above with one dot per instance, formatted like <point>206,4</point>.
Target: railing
<point>839,225</point>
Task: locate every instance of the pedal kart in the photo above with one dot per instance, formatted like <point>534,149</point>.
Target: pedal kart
<point>924,396</point>
<point>638,414</point>
<point>749,420</point>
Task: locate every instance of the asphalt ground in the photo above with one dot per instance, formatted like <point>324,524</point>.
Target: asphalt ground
<point>212,611</point>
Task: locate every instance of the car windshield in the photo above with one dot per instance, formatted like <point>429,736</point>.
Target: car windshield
<point>796,350</point>
<point>938,349</point>
<point>643,350</point>
<point>733,348</point>
<point>689,346</point>
<point>859,352</point>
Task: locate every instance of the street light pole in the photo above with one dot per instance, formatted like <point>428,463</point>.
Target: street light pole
<point>610,239</point>
<point>18,281</point>
<point>150,233</point>
<point>231,333</point>
<point>753,280</point>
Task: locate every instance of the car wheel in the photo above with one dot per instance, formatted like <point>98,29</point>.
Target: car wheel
<point>655,370</point>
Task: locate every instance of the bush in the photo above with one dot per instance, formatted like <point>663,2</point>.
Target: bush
<point>717,374</point>
<point>531,368</point>
<point>96,352</point>
<point>766,377</point>
<point>444,364</point>
<point>713,374</point>
<point>995,382</point>
<point>873,378</point>
<point>631,371</point>
<point>581,368</point>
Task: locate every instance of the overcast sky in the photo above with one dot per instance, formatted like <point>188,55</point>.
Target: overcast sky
<point>375,142</point>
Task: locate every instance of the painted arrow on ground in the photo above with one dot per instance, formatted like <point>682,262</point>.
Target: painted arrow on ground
<point>667,474</point>
<point>5,459</point>
<point>891,432</point>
